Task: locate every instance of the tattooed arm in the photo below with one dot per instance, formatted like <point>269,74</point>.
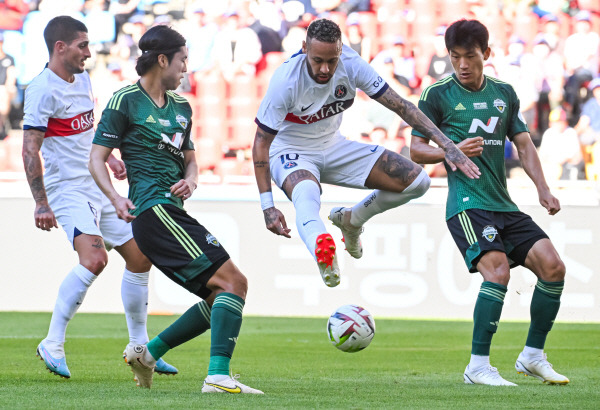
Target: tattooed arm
<point>260,156</point>
<point>420,122</point>
<point>424,153</point>
<point>274,219</point>
<point>32,143</point>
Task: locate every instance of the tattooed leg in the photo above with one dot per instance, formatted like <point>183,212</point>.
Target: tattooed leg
<point>392,172</point>
<point>396,180</point>
<point>294,178</point>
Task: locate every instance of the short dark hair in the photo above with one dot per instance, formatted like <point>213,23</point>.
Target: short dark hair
<point>158,40</point>
<point>468,34</point>
<point>62,28</point>
<point>324,30</point>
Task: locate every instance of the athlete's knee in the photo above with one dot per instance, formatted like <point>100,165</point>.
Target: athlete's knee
<point>306,190</point>
<point>499,275</point>
<point>295,178</point>
<point>237,284</point>
<point>138,263</point>
<point>416,189</point>
<point>94,262</point>
<point>420,185</point>
<point>228,278</point>
<point>554,270</point>
<point>240,283</point>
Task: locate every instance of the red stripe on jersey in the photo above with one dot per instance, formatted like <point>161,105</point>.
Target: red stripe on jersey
<point>326,111</point>
<point>64,127</point>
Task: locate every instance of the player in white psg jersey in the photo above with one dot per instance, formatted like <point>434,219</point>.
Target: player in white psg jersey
<point>298,144</point>
<point>59,121</point>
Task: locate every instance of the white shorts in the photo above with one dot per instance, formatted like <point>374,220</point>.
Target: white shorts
<point>80,207</point>
<point>344,163</point>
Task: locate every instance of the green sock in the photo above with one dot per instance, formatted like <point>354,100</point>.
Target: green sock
<point>486,316</point>
<point>157,348</point>
<point>544,308</point>
<point>192,323</point>
<point>226,321</point>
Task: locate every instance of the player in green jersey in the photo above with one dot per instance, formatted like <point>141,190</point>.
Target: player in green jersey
<point>478,112</point>
<point>151,126</point>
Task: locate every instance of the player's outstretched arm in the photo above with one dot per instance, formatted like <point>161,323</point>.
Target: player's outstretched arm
<point>32,143</point>
<point>274,219</point>
<point>422,152</point>
<point>419,121</point>
<point>530,161</point>
<point>97,166</point>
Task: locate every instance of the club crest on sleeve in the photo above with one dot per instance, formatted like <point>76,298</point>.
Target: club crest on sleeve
<point>181,120</point>
<point>212,240</point>
<point>489,233</point>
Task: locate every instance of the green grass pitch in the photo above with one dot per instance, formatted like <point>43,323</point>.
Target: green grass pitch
<point>409,364</point>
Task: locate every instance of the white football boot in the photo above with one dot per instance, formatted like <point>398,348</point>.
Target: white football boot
<point>340,217</point>
<point>539,368</point>
<point>142,368</point>
<point>228,385</point>
<point>485,375</point>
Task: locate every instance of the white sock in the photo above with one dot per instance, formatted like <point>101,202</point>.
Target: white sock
<point>134,293</point>
<point>70,296</point>
<point>477,362</point>
<point>306,197</point>
<point>380,201</point>
<point>532,353</point>
<point>216,378</point>
<point>149,359</point>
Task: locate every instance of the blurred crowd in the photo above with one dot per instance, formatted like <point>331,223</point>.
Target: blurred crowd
<point>547,49</point>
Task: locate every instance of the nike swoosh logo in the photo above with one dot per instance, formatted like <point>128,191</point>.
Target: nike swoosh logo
<point>227,389</point>
<point>312,220</point>
<point>69,106</point>
<point>141,364</point>
<point>49,358</point>
<point>375,149</point>
<point>306,108</point>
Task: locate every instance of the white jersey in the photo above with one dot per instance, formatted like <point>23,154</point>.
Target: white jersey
<point>65,113</point>
<point>305,114</point>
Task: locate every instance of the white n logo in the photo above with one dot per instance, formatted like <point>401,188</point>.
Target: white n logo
<point>489,128</point>
<point>175,141</point>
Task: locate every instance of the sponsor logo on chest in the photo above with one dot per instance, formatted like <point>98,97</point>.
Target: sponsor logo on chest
<point>326,111</point>
<point>64,127</point>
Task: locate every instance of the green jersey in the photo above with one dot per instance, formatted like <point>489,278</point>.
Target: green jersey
<point>493,113</point>
<point>151,140</point>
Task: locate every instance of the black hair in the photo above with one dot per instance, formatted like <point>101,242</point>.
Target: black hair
<point>62,28</point>
<point>468,34</point>
<point>324,30</point>
<point>158,40</point>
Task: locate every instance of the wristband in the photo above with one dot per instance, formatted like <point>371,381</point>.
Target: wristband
<point>266,200</point>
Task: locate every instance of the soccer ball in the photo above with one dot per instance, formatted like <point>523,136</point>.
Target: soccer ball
<point>350,328</point>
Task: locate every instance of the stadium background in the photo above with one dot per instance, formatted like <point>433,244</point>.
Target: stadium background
<point>411,267</point>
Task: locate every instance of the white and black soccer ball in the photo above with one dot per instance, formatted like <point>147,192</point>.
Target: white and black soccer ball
<point>350,328</point>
